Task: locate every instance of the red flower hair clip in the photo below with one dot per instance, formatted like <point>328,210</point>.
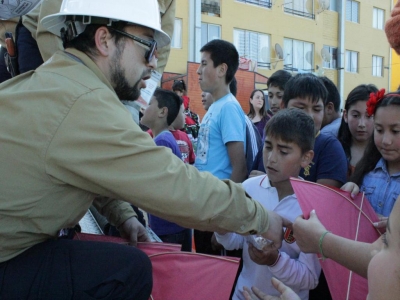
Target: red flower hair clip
<point>374,99</point>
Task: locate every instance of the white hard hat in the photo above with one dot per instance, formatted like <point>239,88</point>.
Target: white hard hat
<point>141,12</point>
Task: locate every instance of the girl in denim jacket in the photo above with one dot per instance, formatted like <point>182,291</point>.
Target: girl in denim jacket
<point>378,171</point>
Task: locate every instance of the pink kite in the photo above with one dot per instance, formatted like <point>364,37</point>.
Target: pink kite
<point>343,216</point>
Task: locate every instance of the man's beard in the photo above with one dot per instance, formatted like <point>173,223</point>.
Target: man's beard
<point>122,88</point>
<point>118,80</point>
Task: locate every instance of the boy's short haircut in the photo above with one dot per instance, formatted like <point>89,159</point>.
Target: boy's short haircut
<point>169,100</point>
<point>223,52</point>
<point>279,79</point>
<point>333,93</point>
<point>304,86</point>
<point>292,126</point>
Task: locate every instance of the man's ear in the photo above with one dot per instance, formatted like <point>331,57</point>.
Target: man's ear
<point>102,39</point>
<point>306,159</point>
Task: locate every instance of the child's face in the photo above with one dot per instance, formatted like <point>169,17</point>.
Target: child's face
<point>151,113</point>
<point>257,101</point>
<point>275,95</point>
<point>283,160</point>
<point>208,75</point>
<point>314,109</point>
<point>360,124</point>
<point>384,267</point>
<point>387,133</point>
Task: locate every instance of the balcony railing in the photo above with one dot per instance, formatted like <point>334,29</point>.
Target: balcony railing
<point>211,7</point>
<point>299,13</point>
<point>263,3</point>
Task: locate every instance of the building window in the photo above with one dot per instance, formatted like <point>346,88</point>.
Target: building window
<point>211,7</point>
<point>263,3</point>
<point>209,32</point>
<point>378,18</point>
<point>253,45</point>
<point>351,61</point>
<point>330,61</point>
<point>303,8</point>
<point>352,9</point>
<point>176,41</point>
<point>333,5</point>
<point>377,66</point>
<point>298,55</point>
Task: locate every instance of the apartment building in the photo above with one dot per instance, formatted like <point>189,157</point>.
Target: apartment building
<point>341,39</point>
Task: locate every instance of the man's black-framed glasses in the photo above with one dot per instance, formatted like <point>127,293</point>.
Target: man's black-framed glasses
<point>152,45</point>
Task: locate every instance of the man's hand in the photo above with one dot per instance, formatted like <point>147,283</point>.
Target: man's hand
<point>262,257</point>
<point>275,230</point>
<point>133,230</point>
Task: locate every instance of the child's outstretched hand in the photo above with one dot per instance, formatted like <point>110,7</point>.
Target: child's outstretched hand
<point>263,257</point>
<point>256,294</point>
<point>352,188</point>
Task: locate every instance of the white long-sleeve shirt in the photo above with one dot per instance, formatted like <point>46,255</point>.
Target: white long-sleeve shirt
<point>298,270</point>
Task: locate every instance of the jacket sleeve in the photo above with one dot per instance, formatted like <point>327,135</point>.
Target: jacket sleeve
<point>115,211</point>
<point>97,147</point>
<point>301,273</point>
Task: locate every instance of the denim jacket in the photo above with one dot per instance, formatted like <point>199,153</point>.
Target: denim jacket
<point>381,189</point>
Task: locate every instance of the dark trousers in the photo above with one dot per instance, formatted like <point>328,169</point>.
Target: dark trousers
<point>183,238</point>
<point>29,57</point>
<point>70,269</point>
<point>4,74</point>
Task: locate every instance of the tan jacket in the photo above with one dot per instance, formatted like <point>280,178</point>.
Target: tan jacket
<point>49,43</point>
<point>66,137</point>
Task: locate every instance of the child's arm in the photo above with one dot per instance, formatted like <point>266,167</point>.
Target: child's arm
<point>301,273</point>
<point>230,241</point>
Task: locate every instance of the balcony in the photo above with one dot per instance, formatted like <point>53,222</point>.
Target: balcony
<point>211,7</point>
<point>262,3</point>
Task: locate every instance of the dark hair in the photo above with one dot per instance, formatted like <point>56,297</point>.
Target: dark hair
<point>223,52</point>
<point>179,85</point>
<point>85,41</point>
<point>292,126</point>
<point>333,93</point>
<point>304,86</point>
<point>169,100</point>
<point>359,93</point>
<point>279,79</point>
<point>233,86</point>
<point>252,112</point>
<point>371,154</point>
